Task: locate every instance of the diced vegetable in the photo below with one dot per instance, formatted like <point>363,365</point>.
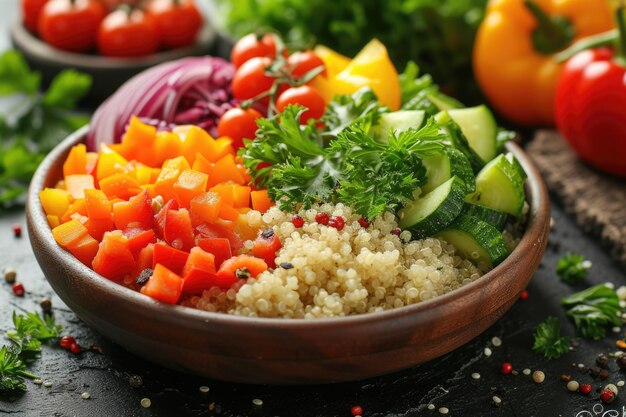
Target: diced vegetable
<point>171,258</point>
<point>164,285</point>
<point>114,259</point>
<point>239,267</point>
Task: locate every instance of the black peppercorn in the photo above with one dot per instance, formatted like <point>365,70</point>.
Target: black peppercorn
<point>286,265</point>
<point>621,362</point>
<point>144,276</point>
<point>267,234</point>
<point>602,361</point>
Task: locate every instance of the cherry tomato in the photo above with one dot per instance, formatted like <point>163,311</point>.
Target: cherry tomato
<point>125,33</point>
<point>31,10</point>
<point>238,124</point>
<point>250,79</point>
<point>305,96</point>
<point>178,21</point>
<point>303,62</point>
<point>252,46</point>
<point>71,25</point>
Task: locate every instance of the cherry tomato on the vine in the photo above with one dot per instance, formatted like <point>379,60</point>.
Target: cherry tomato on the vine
<point>178,21</point>
<point>31,9</point>
<point>253,46</point>
<point>238,124</point>
<point>71,25</point>
<point>128,33</point>
<point>305,96</point>
<point>303,62</point>
<point>250,79</point>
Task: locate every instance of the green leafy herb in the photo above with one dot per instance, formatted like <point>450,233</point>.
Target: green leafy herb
<point>12,371</point>
<point>593,310</point>
<point>34,123</point>
<point>31,329</point>
<point>344,110</point>
<point>421,93</point>
<point>572,268</point>
<point>548,339</point>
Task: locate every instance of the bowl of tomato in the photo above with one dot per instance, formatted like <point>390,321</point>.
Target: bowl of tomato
<point>109,40</point>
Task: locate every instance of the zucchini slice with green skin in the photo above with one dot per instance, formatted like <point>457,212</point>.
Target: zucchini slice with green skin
<point>399,121</point>
<point>499,186</point>
<point>480,128</point>
<point>440,168</point>
<point>444,102</point>
<point>458,140</point>
<point>495,218</point>
<point>513,160</point>
<point>434,211</point>
<point>476,240</point>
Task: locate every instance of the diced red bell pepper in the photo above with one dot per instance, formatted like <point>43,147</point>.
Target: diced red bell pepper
<point>136,212</point>
<point>178,230</point>
<point>240,267</point>
<point>219,247</point>
<point>197,280</point>
<point>98,227</point>
<point>98,205</point>
<point>216,230</point>
<point>84,249</point>
<point>162,215</point>
<point>138,238</point>
<point>144,259</point>
<point>200,259</point>
<point>164,285</point>
<point>171,258</point>
<point>114,259</point>
<point>265,247</point>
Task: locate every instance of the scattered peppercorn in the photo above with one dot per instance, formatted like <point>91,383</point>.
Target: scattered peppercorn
<point>506,368</point>
<point>257,401</point>
<point>573,386</point>
<point>267,234</point>
<point>145,402</point>
<point>75,348</point>
<point>18,289</point>
<point>243,273</point>
<point>585,388</point>
<point>286,265</point>
<point>297,221</point>
<point>607,396</point>
<point>364,222</point>
<point>337,222</point>
<point>357,410</point>
<point>322,218</point>
<point>523,295</point>
<point>621,362</point>
<point>17,230</point>
<point>539,377</point>
<point>46,304</point>
<point>396,232</point>
<point>496,400</point>
<point>204,389</point>
<point>67,341</point>
<point>10,275</point>
<point>144,276</point>
<point>135,381</point>
<point>612,388</point>
<point>602,361</point>
<point>85,395</point>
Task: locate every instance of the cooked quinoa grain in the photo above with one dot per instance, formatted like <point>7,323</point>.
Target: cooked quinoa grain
<point>338,273</point>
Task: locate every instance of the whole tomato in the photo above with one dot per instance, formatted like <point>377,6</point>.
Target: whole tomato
<point>253,46</point>
<point>71,25</point>
<point>591,109</point>
<point>250,79</point>
<point>128,32</point>
<point>302,62</point>
<point>31,9</point>
<point>178,21</point>
<point>305,96</point>
<point>238,124</point>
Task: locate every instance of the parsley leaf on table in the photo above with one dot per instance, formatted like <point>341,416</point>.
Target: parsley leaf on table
<point>31,329</point>
<point>548,339</point>
<point>572,268</point>
<point>593,310</point>
<point>12,371</point>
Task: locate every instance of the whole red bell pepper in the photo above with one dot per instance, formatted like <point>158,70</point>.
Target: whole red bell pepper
<point>591,103</point>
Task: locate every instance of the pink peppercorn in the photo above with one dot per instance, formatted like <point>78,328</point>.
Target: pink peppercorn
<point>364,222</point>
<point>18,289</point>
<point>607,396</point>
<point>357,410</point>
<point>322,218</point>
<point>396,232</point>
<point>297,221</point>
<point>337,222</point>
<point>75,348</point>
<point>17,230</point>
<point>506,368</point>
<point>67,341</point>
<point>585,388</point>
<point>523,295</point>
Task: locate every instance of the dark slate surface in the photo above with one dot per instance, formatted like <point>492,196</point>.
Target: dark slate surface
<point>446,382</point>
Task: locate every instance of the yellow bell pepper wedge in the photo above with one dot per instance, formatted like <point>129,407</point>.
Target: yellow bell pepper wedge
<point>514,52</point>
<point>55,201</point>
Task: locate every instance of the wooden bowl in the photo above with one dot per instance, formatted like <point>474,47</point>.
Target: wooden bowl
<point>285,351</point>
<point>107,73</point>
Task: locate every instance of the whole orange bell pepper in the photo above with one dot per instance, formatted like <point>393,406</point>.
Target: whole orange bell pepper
<point>514,52</point>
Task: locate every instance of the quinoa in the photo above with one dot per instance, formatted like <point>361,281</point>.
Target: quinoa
<point>338,273</point>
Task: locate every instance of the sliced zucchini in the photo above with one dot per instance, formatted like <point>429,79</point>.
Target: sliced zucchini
<point>476,240</point>
<point>440,168</point>
<point>513,160</point>
<point>399,121</point>
<point>444,102</point>
<point>494,217</point>
<point>479,127</point>
<point>499,186</point>
<point>434,211</point>
<point>458,140</point>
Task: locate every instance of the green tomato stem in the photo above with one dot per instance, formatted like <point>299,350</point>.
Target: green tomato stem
<point>620,51</point>
<point>601,39</point>
<point>553,33</point>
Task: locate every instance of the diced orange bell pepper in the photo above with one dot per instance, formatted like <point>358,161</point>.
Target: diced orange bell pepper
<point>136,212</point>
<point>228,213</point>
<point>98,227</point>
<point>241,196</point>
<point>221,148</point>
<point>143,175</point>
<point>55,201</point>
<point>189,185</point>
<point>172,168</point>
<point>202,164</point>
<point>199,259</point>
<point>114,259</point>
<point>79,206</point>
<point>98,205</point>
<point>168,145</point>
<point>109,163</point>
<point>120,185</point>
<point>68,233</point>
<point>243,229</point>
<point>164,285</point>
<point>144,259</point>
<point>240,267</point>
<point>91,163</point>
<point>76,161</point>
<point>77,184</point>
<point>197,140</point>
<point>225,191</point>
<point>139,239</point>
<point>260,200</point>
<point>205,207</point>
<point>53,220</point>
<point>225,170</point>
<point>84,249</point>
<point>138,142</point>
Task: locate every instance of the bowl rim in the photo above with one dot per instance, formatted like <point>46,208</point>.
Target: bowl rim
<point>536,227</point>
<point>42,51</point>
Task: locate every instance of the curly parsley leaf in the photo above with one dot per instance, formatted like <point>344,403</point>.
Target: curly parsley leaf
<point>31,330</point>
<point>361,107</point>
<point>548,339</point>
<point>593,310</point>
<point>421,93</point>
<point>16,76</point>
<point>572,268</point>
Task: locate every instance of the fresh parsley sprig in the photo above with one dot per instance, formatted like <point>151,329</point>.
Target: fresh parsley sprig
<point>12,371</point>
<point>548,339</point>
<point>593,310</point>
<point>572,268</point>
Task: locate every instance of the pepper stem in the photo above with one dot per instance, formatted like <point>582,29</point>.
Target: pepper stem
<point>553,33</point>
<point>620,51</point>
<point>601,39</point>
